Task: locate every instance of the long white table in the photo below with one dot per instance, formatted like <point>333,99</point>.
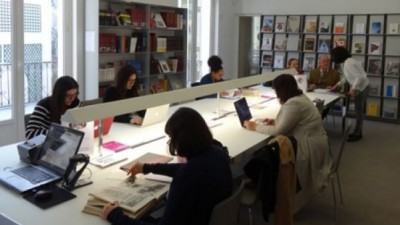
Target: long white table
<point>240,142</point>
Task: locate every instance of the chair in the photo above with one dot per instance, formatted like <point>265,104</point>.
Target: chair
<point>250,197</point>
<point>335,168</point>
<point>225,211</point>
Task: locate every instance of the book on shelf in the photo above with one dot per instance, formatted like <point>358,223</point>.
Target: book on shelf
<point>175,83</point>
<point>293,43</point>
<point>374,48</point>
<point>158,87</point>
<point>393,28</point>
<point>135,197</point>
<point>266,43</point>
<point>280,44</point>
<point>389,112</point>
<point>293,24</point>
<point>339,42</point>
<point>374,66</point>
<point>376,27</point>
<point>374,89</point>
<point>372,109</point>
<point>164,66</point>
<point>309,63</point>
<point>392,68</point>
<point>173,64</point>
<point>161,44</point>
<point>391,90</point>
<point>360,28</point>
<point>133,43</point>
<point>324,27</point>
<point>310,26</point>
<point>138,16</point>
<point>148,157</point>
<point>267,24</point>
<point>280,27</point>
<point>279,61</point>
<point>158,20</point>
<point>324,45</point>
<point>309,44</point>
<point>124,19</point>
<point>339,28</point>
<point>266,60</point>
<point>358,48</point>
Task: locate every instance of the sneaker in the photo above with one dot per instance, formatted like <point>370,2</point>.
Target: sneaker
<point>354,137</point>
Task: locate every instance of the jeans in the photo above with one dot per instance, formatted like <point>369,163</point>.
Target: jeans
<point>359,105</point>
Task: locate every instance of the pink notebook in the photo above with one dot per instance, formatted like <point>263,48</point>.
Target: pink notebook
<point>115,146</point>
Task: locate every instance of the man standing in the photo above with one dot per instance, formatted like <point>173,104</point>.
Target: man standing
<point>355,75</point>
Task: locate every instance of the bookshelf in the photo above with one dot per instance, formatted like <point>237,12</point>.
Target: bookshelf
<point>371,38</point>
<point>151,38</point>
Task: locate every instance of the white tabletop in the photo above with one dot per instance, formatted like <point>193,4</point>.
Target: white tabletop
<point>240,142</point>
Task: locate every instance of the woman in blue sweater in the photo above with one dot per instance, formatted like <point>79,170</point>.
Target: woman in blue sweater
<point>198,185</point>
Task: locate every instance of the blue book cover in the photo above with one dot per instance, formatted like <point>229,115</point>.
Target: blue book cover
<point>376,28</point>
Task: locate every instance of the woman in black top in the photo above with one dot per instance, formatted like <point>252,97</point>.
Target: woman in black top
<point>50,109</point>
<point>197,185</point>
<point>125,86</point>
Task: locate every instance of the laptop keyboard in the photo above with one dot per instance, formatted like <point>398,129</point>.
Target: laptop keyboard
<point>32,174</point>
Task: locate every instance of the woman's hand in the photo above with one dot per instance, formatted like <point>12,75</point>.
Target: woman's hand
<point>135,169</point>
<point>107,209</point>
<point>352,92</point>
<point>270,122</point>
<point>137,120</point>
<point>250,125</point>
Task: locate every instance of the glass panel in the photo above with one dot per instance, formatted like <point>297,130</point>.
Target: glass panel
<point>5,60</point>
<point>42,19</point>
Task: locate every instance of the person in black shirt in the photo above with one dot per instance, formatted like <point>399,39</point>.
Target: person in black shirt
<point>197,185</point>
<point>125,86</point>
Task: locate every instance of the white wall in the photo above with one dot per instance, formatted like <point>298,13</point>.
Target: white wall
<point>231,9</point>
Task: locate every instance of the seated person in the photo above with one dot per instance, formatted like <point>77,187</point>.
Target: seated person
<point>294,63</point>
<point>197,185</point>
<point>125,86</point>
<point>323,77</point>
<point>298,117</point>
<point>50,109</point>
<point>217,71</point>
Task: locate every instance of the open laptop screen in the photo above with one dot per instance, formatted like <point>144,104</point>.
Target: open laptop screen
<point>59,146</point>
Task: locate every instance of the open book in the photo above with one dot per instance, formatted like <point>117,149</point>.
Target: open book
<point>135,198</point>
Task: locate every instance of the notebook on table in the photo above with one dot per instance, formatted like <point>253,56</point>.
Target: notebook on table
<point>155,115</point>
<point>60,145</point>
<point>243,111</point>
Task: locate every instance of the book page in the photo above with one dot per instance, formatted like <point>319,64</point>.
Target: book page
<point>133,196</point>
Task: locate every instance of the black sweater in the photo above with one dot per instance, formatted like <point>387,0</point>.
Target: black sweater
<point>197,186</point>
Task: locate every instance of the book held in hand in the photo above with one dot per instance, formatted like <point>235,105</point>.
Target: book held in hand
<point>136,197</point>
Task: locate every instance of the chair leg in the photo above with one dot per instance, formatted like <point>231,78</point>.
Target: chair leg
<point>250,216</point>
<point>339,187</point>
<point>334,197</point>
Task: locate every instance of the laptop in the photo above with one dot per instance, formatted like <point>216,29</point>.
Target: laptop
<point>60,145</point>
<point>155,115</point>
<point>243,112</point>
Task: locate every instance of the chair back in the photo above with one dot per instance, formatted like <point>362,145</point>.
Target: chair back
<point>340,153</point>
<point>224,213</point>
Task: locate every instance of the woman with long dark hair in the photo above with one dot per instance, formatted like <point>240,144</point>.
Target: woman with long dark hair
<point>125,86</point>
<point>300,118</point>
<point>50,109</point>
<point>197,185</point>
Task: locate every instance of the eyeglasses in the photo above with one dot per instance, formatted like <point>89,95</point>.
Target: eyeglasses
<point>71,96</point>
